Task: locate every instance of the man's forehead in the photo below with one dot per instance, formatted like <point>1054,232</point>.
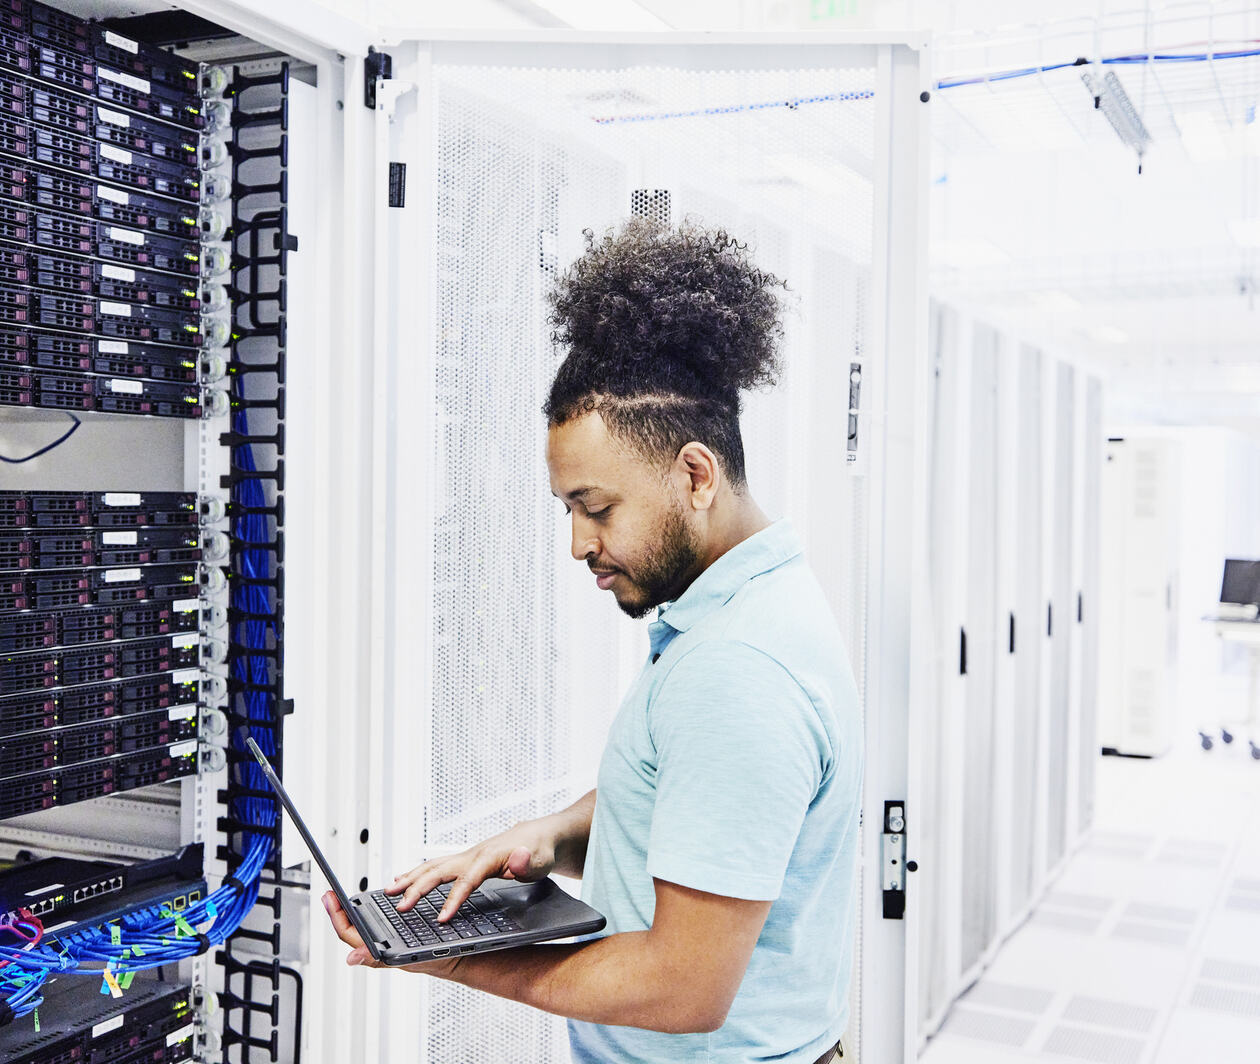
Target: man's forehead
<point>583,459</point>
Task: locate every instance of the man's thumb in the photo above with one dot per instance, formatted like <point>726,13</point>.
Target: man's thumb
<point>518,862</point>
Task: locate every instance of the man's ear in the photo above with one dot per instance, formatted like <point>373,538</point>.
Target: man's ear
<point>703,475</point>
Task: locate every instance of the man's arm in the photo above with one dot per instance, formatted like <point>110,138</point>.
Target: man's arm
<point>679,976</point>
<point>529,851</point>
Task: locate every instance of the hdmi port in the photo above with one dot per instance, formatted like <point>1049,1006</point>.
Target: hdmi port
<point>442,952</point>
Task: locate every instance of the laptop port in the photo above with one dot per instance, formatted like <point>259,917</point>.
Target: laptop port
<point>442,952</point>
<point>467,949</point>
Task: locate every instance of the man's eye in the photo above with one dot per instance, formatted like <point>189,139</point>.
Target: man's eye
<point>599,515</point>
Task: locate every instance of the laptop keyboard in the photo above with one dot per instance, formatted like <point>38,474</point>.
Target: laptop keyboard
<point>477,917</point>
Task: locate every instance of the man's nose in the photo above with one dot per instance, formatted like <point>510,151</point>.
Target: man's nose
<point>585,543</point>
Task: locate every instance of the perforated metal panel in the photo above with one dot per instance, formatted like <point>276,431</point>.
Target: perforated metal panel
<point>529,661</point>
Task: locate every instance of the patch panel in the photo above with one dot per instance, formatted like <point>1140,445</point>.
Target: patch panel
<point>49,788</point>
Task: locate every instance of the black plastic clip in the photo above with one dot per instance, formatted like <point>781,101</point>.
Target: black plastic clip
<point>377,66</point>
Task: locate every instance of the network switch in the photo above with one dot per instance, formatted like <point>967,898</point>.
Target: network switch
<point>52,629</point>
<point>55,886</point>
<point>49,788</point>
<point>172,692</point>
<point>153,1023</point>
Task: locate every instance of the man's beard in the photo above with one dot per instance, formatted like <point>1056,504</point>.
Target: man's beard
<point>665,570</point>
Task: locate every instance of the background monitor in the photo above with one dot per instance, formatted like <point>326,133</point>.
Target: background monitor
<point>1241,583</point>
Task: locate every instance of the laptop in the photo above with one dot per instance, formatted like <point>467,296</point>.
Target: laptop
<point>500,914</point>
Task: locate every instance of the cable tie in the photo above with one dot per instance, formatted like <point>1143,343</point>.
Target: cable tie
<point>236,884</point>
<point>182,927</point>
<point>124,980</point>
<point>203,942</point>
<point>112,987</point>
<point>137,951</point>
<point>115,934</point>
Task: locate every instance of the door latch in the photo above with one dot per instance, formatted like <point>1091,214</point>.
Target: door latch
<point>892,847</point>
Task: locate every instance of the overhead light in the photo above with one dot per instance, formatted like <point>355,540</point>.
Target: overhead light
<point>1113,101</point>
<point>1056,301</point>
<point>969,252</point>
<point>1246,232</point>
<point>605,15</point>
<point>1109,334</point>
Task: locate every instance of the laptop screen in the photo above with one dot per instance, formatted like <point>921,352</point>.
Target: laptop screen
<point>1241,583</point>
<point>291,809</point>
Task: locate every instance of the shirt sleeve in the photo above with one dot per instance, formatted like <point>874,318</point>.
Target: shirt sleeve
<point>740,756</point>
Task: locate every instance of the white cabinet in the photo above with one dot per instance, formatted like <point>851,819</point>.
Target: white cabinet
<point>1137,686</point>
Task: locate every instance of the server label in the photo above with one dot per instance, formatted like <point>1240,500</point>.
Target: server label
<point>112,194</point>
<point>117,310</point>
<point>117,76</point>
<point>186,605</point>
<point>119,155</point>
<point>185,676</point>
<point>182,750</point>
<point>118,273</point>
<point>118,41</point>
<point>185,639</point>
<point>105,1026</point>
<point>127,236</point>
<point>121,498</point>
<point>114,118</point>
<point>122,576</point>
<point>125,539</point>
<point>126,387</point>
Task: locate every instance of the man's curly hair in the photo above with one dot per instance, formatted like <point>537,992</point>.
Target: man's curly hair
<point>664,328</point>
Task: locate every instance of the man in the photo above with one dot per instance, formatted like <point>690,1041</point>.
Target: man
<point>721,840</point>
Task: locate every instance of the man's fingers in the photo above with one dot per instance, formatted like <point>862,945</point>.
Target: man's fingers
<point>465,883</point>
<point>421,886</point>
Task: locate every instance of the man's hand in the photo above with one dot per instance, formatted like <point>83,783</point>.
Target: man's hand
<point>529,851</point>
<point>359,953</point>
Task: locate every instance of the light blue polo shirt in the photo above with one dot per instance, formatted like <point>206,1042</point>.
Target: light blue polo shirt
<point>734,766</point>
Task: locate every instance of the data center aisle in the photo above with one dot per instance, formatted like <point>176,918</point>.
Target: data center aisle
<point>1147,948</point>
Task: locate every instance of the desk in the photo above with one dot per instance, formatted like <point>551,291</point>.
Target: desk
<point>1246,633</point>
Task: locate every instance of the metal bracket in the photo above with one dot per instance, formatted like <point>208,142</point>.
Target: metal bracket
<point>378,66</point>
<point>892,854</point>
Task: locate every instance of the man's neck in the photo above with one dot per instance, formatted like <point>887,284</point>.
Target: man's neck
<point>742,518</point>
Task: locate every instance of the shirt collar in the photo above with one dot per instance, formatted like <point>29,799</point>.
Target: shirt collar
<point>759,553</point>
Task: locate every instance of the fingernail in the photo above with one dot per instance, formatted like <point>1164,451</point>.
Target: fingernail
<point>327,903</point>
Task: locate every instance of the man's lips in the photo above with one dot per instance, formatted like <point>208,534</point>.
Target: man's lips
<point>604,578</point>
